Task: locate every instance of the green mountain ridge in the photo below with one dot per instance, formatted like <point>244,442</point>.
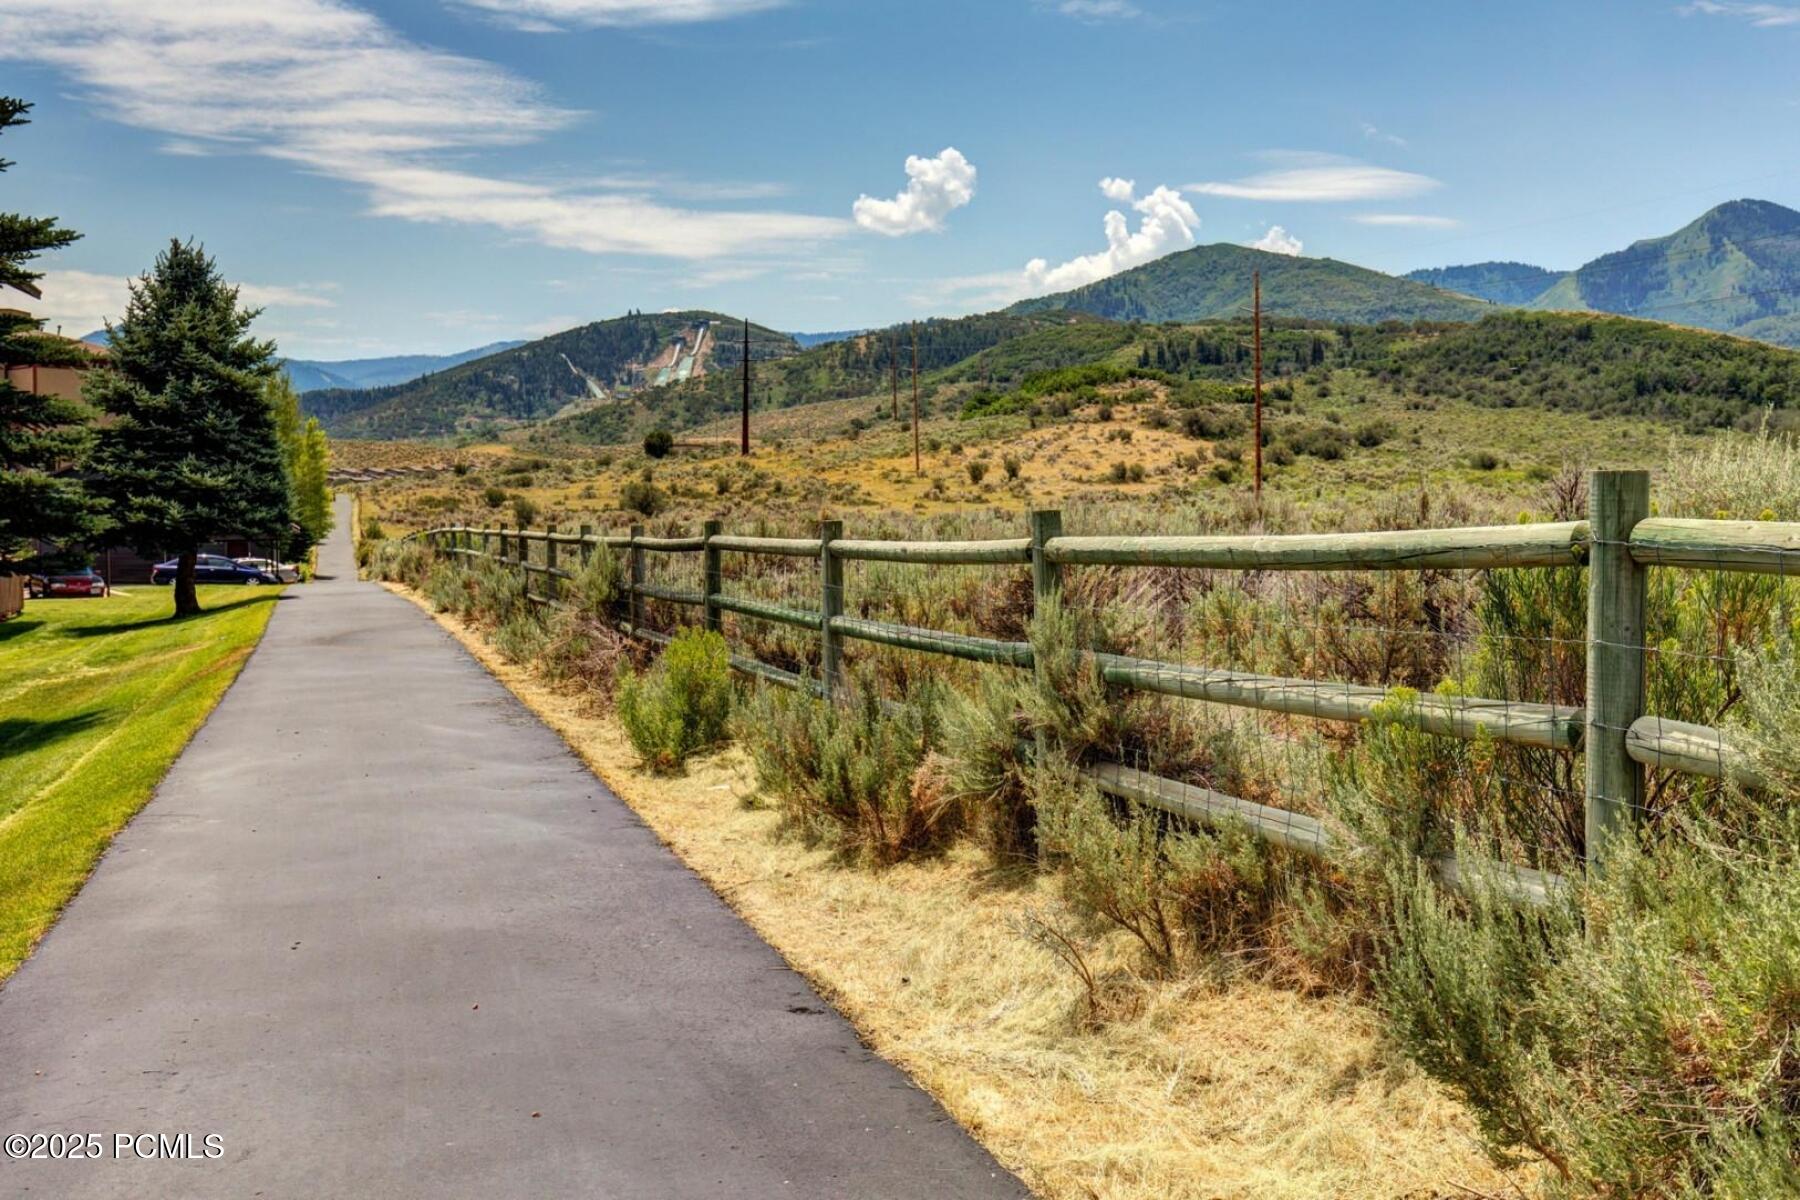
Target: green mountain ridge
<point>1735,269</point>
<point>1211,282</point>
<point>1511,283</point>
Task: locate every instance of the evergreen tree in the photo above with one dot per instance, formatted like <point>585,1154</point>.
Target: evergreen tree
<point>38,434</point>
<point>306,456</point>
<point>192,453</point>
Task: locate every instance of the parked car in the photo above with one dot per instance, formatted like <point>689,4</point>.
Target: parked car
<point>283,572</point>
<point>83,581</point>
<point>212,568</point>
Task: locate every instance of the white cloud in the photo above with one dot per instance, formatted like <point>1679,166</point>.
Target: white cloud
<point>1119,191</point>
<point>1168,223</point>
<point>83,301</point>
<point>1413,220</point>
<point>1763,16</point>
<point>934,187</point>
<point>1319,177</point>
<point>1097,10</point>
<point>546,16</point>
<point>1278,241</point>
<point>1381,135</point>
<point>333,90</point>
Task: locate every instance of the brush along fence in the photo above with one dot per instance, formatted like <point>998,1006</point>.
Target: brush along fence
<point>1618,543</point>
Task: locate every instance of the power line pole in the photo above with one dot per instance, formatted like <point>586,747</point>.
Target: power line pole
<point>917,468</point>
<point>894,362</point>
<point>1256,289</point>
<point>744,435</point>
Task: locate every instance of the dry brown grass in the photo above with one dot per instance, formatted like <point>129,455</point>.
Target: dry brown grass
<point>1183,1090</point>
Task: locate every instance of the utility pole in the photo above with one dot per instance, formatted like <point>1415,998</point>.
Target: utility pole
<point>894,362</point>
<point>744,435</point>
<point>917,468</point>
<point>1256,289</point>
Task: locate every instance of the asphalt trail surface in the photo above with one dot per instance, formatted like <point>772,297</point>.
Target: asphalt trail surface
<point>382,935</point>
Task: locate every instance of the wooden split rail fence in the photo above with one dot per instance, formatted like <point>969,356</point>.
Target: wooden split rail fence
<point>1618,543</point>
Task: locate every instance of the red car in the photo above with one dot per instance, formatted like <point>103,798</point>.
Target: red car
<point>83,582</point>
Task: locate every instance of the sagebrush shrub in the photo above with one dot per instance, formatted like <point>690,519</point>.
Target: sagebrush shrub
<point>681,705</point>
<point>1641,1031</point>
<point>856,775</point>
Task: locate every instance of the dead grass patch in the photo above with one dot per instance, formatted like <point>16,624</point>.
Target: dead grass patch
<point>1185,1090</point>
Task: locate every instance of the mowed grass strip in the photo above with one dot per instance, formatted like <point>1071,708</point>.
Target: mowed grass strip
<point>97,697</point>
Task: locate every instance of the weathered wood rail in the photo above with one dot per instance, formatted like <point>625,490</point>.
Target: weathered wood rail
<point>1617,543</point>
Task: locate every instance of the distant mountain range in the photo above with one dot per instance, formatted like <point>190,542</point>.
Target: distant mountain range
<point>595,366</point>
<point>311,375</point>
<point>1735,269</point>
<point>1210,282</point>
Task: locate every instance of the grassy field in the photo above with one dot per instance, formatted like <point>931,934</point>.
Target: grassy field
<point>97,697</point>
<point>842,457</point>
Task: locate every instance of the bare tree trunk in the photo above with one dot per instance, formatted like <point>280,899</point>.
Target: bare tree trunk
<point>187,602</point>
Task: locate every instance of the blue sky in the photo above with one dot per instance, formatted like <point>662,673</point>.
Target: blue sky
<point>426,175</point>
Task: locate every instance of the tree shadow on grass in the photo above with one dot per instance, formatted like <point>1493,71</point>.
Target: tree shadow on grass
<point>17,627</point>
<point>171,620</point>
<point>21,735</point>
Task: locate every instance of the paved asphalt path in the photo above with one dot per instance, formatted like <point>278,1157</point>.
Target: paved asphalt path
<point>386,937</point>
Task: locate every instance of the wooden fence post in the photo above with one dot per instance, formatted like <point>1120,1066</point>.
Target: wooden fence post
<point>1617,501</point>
<point>715,576</point>
<point>636,578</point>
<point>552,585</point>
<point>831,604</point>
<point>587,547</point>
<point>1046,576</point>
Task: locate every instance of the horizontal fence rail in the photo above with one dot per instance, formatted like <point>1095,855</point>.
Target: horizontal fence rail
<point>1616,737</point>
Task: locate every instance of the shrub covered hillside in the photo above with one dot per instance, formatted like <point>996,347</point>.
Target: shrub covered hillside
<point>1602,364</point>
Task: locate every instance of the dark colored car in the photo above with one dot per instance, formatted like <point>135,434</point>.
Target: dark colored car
<point>83,581</point>
<point>212,568</point>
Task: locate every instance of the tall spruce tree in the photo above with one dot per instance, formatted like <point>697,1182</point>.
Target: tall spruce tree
<point>191,453</point>
<point>41,437</point>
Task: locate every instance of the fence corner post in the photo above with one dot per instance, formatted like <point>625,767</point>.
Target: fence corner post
<point>635,578</point>
<point>1617,501</point>
<point>715,576</point>
<point>831,604</point>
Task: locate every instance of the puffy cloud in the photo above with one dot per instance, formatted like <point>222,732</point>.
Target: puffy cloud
<point>1168,223</point>
<point>934,187</point>
<point>544,16</point>
<point>1319,177</point>
<point>83,301</point>
<point>1414,220</point>
<point>1277,241</point>
<point>333,90</point>
<point>1119,191</point>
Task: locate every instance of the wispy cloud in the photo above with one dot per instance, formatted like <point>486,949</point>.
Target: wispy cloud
<point>934,188</point>
<point>1278,241</point>
<point>1094,11</point>
<point>1411,220</point>
<point>83,301</point>
<point>548,16</point>
<point>1306,177</point>
<point>333,90</point>
<point>1763,16</point>
<point>1373,134</point>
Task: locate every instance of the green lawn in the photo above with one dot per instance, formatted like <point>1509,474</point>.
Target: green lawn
<point>97,697</point>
